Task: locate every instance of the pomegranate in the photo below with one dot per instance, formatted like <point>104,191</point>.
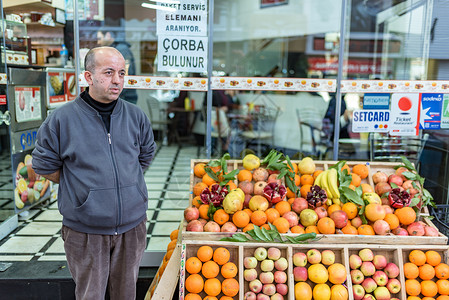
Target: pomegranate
<point>195,225</point>
<point>274,192</point>
<point>430,231</point>
<point>382,188</point>
<point>211,226</point>
<point>259,187</point>
<point>299,204</point>
<point>416,229</point>
<point>380,177</point>
<point>399,172</point>
<point>246,202</point>
<point>214,195</point>
<point>292,218</point>
<point>388,209</point>
<point>260,174</point>
<point>247,187</point>
<point>399,231</point>
<point>274,178</point>
<point>396,179</point>
<point>228,227</point>
<point>381,227</point>
<point>385,201</point>
<point>202,221</point>
<point>408,184</point>
<point>191,213</point>
<point>316,197</point>
<point>399,198</point>
<point>356,222</point>
<point>340,218</point>
<point>321,212</point>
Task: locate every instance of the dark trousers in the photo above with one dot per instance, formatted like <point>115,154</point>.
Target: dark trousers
<point>97,262</point>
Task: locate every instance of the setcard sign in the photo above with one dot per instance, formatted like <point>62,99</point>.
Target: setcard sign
<point>404,114</point>
<point>370,120</point>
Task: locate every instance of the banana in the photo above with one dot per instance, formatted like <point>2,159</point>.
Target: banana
<point>332,180</point>
<point>336,201</point>
<point>325,185</point>
<point>17,199</point>
<point>318,179</point>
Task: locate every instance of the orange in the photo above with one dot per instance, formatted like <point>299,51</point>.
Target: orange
<point>215,169</point>
<point>194,283</point>
<point>291,200</point>
<point>443,297</point>
<point>346,167</point>
<point>231,185</point>
<point>443,287</point>
<point>245,175</point>
<point>197,201</point>
<point>226,298</point>
<point>221,255</point>
<point>230,287</point>
<point>221,217</point>
<point>304,190</point>
<point>429,288</point>
<point>210,297</point>
<point>297,180</point>
<point>272,214</point>
<point>248,211</point>
<point>332,208</point>
<point>326,225</point>
<point>366,188</point>
<point>171,245</point>
<point>191,296</point>
<point>361,170</point>
<point>174,234</point>
<point>426,272</point>
<point>411,270</point>
<point>392,220</point>
<point>406,215</point>
<point>356,180</point>
<point>374,212</point>
<point>417,257</point>
<point>199,187</point>
<point>168,255</point>
<point>208,180</point>
<point>240,219</point>
<point>282,207</point>
<point>266,226</point>
<point>312,228</point>
<point>281,225</point>
<point>413,298</point>
<point>307,179</point>
<point>250,226</point>
<point>258,217</point>
<point>290,194</point>
<point>412,287</point>
<point>433,258</point>
<point>210,269</point>
<point>297,229</point>
<point>442,271</point>
<point>316,173</point>
<point>350,209</point>
<point>229,270</point>
<point>349,229</point>
<point>295,167</point>
<point>352,187</point>
<point>193,265</point>
<point>365,229</point>
<point>212,287</point>
<point>205,253</point>
<point>198,170</point>
<point>203,209</point>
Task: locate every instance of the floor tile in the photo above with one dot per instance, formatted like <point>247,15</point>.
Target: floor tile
<point>178,187</point>
<point>56,247</point>
<point>49,215</point>
<point>164,228</point>
<point>150,214</point>
<point>52,258</point>
<point>154,195</point>
<point>155,186</point>
<point>170,215</point>
<point>4,258</point>
<point>175,204</point>
<point>170,195</point>
<point>158,243</point>
<point>24,244</point>
<point>152,204</point>
<point>40,228</point>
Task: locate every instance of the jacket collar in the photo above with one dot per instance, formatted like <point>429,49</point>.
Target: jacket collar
<point>92,111</point>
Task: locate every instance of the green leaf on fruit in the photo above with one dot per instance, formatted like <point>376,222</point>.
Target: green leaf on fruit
<point>394,185</point>
<point>352,196</point>
<point>409,175</point>
<point>414,201</point>
<point>259,234</point>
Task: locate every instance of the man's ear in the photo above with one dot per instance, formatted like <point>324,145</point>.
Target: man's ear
<point>88,77</point>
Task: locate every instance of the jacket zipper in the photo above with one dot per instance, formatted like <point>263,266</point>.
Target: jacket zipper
<point>119,202</point>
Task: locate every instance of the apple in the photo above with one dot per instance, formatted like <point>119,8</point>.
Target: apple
<point>260,253</point>
<point>262,297</point>
<point>382,293</point>
<point>267,265</point>
<point>379,261</point>
<point>314,256</point>
<point>392,270</point>
<point>368,297</point>
<point>380,278</point>
<point>368,268</point>
<point>300,273</point>
<point>250,296</point>
<point>394,285</point>
<point>277,296</point>
<point>358,292</point>
<point>369,285</point>
<point>299,259</point>
<point>250,274</point>
<point>273,253</point>
<point>282,289</point>
<point>355,261</point>
<point>266,277</point>
<point>250,262</point>
<point>366,254</point>
<point>280,277</point>
<point>356,222</point>
<point>269,289</point>
<point>357,276</point>
<point>281,264</point>
<point>327,257</point>
<point>255,286</point>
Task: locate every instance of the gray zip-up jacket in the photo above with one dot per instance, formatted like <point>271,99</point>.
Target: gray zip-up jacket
<point>102,188</point>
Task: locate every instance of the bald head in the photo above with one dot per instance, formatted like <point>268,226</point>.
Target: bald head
<point>90,59</point>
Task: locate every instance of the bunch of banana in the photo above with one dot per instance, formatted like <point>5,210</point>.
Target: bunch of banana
<point>328,180</point>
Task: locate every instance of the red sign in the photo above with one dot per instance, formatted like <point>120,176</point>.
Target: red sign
<point>70,86</point>
<point>360,66</point>
<point>2,99</point>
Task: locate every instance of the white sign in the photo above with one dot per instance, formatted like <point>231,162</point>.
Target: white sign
<point>189,18</point>
<point>371,120</point>
<point>404,114</point>
<point>182,54</point>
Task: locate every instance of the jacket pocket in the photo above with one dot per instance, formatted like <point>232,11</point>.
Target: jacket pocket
<point>99,209</point>
<point>134,204</point>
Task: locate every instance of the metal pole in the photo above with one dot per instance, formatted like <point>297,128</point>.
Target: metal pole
<point>76,36</point>
<point>339,76</point>
<point>209,74</point>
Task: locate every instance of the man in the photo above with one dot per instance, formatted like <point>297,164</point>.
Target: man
<point>107,38</point>
<point>97,148</point>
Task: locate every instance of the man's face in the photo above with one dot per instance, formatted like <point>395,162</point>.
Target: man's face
<point>106,82</point>
<point>104,39</point>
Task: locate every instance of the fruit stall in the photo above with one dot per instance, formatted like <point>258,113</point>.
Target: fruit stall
<point>276,228</point>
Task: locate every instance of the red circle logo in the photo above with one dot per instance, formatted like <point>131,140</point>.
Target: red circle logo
<point>404,104</point>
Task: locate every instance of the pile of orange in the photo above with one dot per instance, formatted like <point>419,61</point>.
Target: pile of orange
<point>211,273</point>
<point>426,275</point>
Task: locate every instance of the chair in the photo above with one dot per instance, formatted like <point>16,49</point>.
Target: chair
<point>158,117</point>
<point>391,148</point>
<point>315,131</point>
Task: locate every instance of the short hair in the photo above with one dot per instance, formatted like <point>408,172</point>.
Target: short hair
<point>90,61</point>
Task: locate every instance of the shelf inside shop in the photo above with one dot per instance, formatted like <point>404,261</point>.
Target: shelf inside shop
<point>19,6</point>
<point>37,24</point>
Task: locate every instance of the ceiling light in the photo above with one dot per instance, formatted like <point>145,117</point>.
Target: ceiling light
<point>152,6</point>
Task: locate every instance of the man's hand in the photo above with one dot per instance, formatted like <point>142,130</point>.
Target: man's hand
<point>52,177</point>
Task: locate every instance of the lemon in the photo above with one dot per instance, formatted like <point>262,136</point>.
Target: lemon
<point>251,162</point>
<point>318,274</point>
<point>22,185</point>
